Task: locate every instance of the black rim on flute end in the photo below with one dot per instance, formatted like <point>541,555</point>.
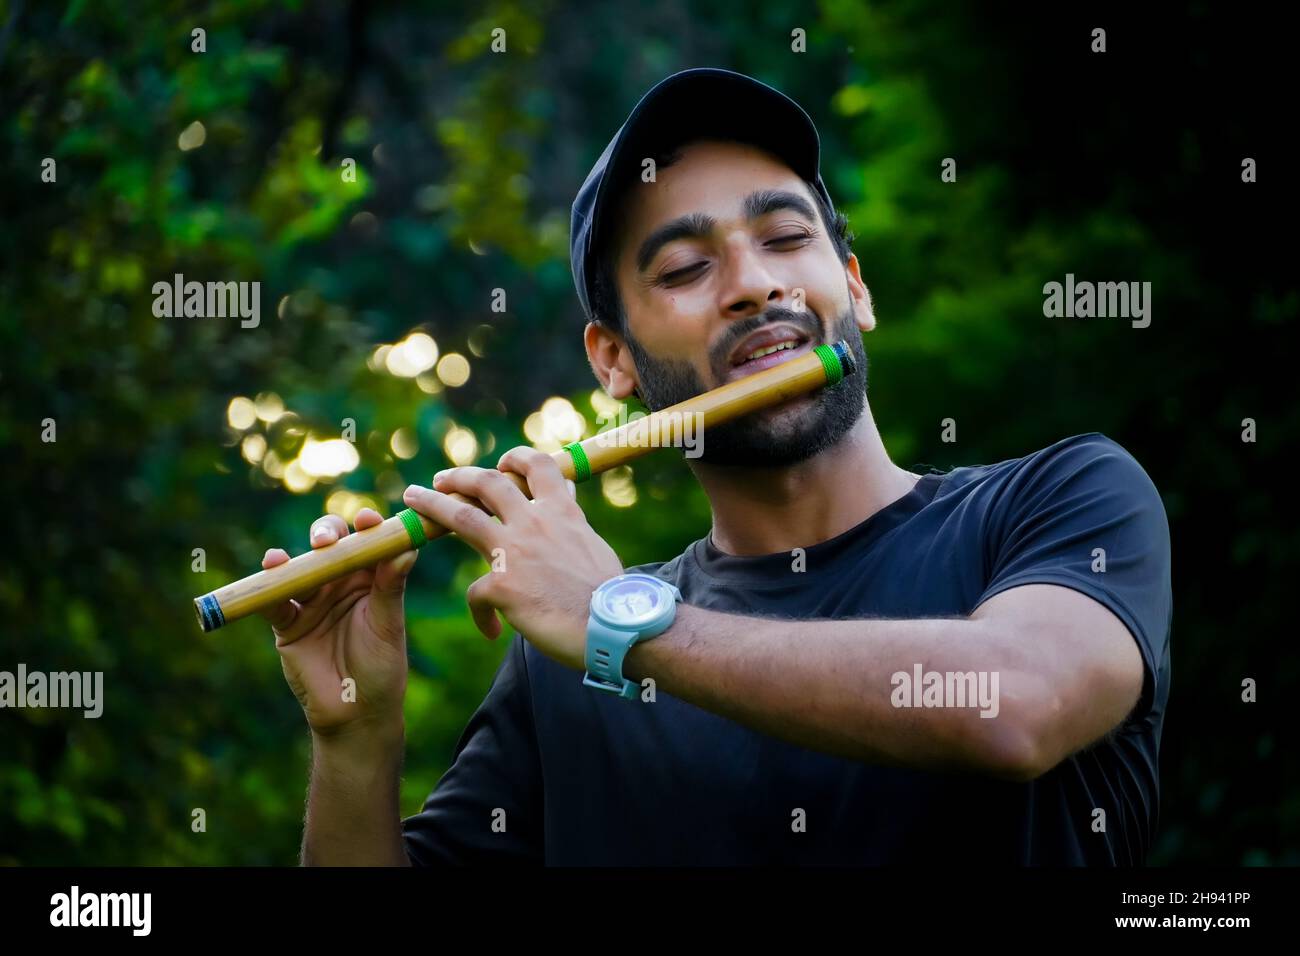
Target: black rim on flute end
<point>845,355</point>
<point>209,613</point>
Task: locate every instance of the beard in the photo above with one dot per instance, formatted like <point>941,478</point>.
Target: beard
<point>786,434</point>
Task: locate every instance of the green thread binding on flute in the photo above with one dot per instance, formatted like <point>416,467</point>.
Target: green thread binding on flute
<point>581,466</point>
<point>831,363</point>
<point>411,521</point>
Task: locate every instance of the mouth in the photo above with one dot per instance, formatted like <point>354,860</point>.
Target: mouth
<point>767,347</point>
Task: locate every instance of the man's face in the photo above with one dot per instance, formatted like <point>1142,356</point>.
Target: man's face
<point>725,246</point>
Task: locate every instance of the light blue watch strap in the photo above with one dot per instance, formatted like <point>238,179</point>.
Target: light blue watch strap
<point>606,648</point>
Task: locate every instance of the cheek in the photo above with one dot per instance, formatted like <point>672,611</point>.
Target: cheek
<point>679,318</point>
<point>824,300</point>
<point>690,308</point>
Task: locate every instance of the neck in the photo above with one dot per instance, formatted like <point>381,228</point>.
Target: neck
<point>766,510</point>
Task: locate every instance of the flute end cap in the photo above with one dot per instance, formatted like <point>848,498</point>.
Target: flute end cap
<point>208,612</point>
<point>845,355</point>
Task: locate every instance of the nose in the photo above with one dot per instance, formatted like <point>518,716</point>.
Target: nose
<point>748,285</point>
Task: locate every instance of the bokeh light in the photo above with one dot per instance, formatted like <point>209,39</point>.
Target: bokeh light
<point>414,354</point>
<point>241,413</point>
<point>327,459</point>
<point>618,487</point>
<point>404,443</point>
<point>347,504</point>
<point>453,369</point>
<point>269,407</point>
<point>192,137</point>
<point>604,406</point>
<point>253,448</point>
<point>460,446</point>
<point>272,465</point>
<point>554,425</point>
<point>296,478</point>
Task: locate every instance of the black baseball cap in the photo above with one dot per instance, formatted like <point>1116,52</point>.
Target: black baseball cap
<point>692,104</point>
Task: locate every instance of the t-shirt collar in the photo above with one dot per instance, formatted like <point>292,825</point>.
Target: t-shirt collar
<point>751,569</point>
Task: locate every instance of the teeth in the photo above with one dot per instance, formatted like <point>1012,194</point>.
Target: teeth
<point>759,353</point>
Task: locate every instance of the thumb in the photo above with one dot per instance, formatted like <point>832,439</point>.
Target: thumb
<point>387,590</point>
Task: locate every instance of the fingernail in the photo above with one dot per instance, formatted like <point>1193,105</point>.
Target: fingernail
<point>439,474</point>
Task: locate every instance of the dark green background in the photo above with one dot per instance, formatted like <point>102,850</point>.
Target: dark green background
<point>1123,166</point>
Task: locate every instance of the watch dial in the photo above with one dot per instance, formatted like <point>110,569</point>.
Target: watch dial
<point>631,601</point>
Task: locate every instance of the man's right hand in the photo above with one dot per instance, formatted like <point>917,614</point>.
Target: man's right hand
<point>355,628</point>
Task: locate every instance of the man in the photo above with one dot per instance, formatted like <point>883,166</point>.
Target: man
<point>866,665</point>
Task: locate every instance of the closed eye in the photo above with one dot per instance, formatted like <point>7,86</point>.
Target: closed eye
<point>679,274</point>
<point>794,236</point>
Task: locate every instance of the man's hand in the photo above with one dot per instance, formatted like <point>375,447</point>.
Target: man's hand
<point>546,560</point>
<point>353,627</point>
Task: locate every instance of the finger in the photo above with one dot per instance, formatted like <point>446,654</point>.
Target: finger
<point>281,615</point>
<point>391,575</point>
<point>319,618</point>
<point>389,583</point>
<point>327,604</point>
<point>573,489</point>
<point>474,525</point>
<point>545,480</point>
<point>388,593</point>
<point>501,495</point>
<point>326,530</point>
<point>483,609</point>
<point>384,580</point>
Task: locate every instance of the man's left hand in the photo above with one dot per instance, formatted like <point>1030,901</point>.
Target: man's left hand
<point>546,558</point>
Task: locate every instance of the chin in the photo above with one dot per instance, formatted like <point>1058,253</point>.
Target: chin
<point>788,434</point>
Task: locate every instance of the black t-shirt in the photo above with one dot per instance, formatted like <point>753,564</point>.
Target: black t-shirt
<point>549,771</point>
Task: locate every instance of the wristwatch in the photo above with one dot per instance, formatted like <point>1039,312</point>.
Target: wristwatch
<point>624,610</point>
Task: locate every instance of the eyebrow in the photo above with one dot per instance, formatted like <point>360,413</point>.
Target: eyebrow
<point>697,225</point>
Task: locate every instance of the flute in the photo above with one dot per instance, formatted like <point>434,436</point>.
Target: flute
<point>822,366</point>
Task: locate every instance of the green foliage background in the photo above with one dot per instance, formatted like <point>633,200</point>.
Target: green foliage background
<point>1123,166</point>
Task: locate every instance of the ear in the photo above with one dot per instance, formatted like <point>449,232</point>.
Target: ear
<point>863,311</point>
<point>611,360</point>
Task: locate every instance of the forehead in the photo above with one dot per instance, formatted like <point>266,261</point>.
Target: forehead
<point>711,177</point>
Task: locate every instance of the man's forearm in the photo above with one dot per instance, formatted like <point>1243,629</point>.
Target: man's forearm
<point>826,685</point>
<point>353,815</point>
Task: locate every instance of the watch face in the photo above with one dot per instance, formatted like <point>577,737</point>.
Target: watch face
<point>631,600</point>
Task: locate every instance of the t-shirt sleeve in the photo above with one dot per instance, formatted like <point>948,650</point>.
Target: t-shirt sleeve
<point>487,808</point>
<point>1078,507</point>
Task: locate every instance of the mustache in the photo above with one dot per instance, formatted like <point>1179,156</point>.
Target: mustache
<point>805,321</point>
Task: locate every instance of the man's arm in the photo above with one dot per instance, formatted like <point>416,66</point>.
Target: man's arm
<point>1068,671</point>
<point>353,817</point>
<point>1071,651</point>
